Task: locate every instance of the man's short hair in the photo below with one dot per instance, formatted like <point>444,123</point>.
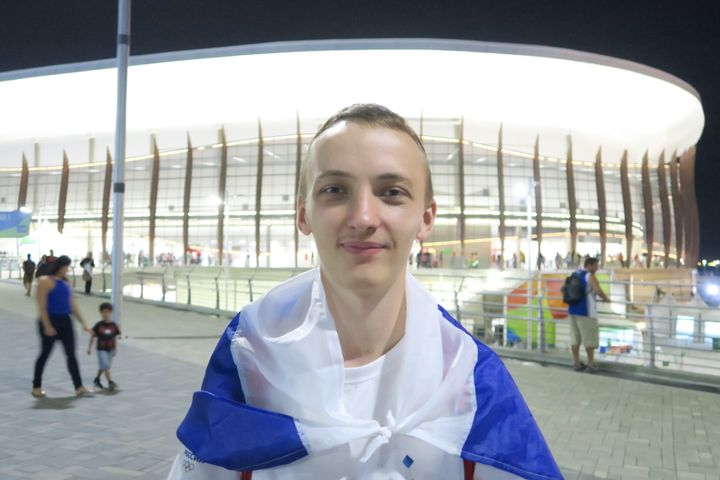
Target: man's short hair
<point>371,115</point>
<point>590,261</point>
<point>106,306</point>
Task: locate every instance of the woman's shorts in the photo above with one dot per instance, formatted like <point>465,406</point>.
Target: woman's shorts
<point>584,330</point>
<point>105,358</point>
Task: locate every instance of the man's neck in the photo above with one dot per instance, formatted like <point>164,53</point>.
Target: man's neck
<point>368,323</point>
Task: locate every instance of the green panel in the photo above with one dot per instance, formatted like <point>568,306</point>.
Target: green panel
<point>517,321</point>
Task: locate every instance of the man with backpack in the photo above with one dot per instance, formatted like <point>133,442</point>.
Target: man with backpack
<point>580,292</point>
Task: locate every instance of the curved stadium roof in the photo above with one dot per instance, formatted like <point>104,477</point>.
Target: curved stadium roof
<point>530,90</point>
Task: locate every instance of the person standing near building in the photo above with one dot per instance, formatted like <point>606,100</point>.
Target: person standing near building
<point>583,317</point>
<point>42,267</point>
<point>352,369</point>
<point>87,265</point>
<point>28,267</point>
<point>55,305</point>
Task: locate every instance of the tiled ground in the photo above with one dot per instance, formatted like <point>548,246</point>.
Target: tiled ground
<point>597,426</point>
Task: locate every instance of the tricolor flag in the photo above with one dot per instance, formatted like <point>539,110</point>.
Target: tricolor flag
<point>275,401</point>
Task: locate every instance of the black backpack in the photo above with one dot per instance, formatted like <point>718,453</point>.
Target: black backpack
<point>573,291</point>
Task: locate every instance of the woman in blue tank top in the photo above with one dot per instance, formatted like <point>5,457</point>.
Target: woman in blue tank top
<point>55,305</point>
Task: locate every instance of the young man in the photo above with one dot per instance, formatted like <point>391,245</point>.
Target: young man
<point>352,370</point>
<point>583,317</point>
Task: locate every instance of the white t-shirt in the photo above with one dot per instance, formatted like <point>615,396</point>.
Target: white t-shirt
<point>362,388</point>
<point>369,394</point>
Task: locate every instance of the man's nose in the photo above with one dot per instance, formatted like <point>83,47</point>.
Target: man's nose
<point>364,211</point>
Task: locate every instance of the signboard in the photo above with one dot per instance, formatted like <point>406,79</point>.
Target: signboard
<point>15,224</point>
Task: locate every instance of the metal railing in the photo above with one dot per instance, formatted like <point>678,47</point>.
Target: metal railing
<point>10,267</point>
<point>655,320</point>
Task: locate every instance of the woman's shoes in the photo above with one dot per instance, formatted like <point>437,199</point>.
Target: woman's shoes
<point>38,393</point>
<point>82,392</point>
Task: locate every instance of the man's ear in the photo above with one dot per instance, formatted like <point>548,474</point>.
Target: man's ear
<point>428,220</point>
<point>301,218</point>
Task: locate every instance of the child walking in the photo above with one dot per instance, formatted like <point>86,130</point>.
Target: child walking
<point>105,330</point>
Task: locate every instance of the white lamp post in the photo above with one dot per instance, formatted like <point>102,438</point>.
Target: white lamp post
<point>527,191</point>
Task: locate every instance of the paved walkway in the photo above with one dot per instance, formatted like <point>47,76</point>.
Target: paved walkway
<point>597,426</point>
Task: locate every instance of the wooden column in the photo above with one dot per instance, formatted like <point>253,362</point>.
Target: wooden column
<point>572,204</point>
<point>222,183</point>
<point>677,209</point>
<point>665,208</point>
<point>461,185</point>
<point>627,205</point>
<point>154,182</point>
<point>24,176</point>
<point>501,198</point>
<point>690,212</point>
<point>692,155</point>
<point>62,200</point>
<point>106,202</point>
<point>648,206</point>
<point>298,164</point>
<point>186,200</point>
<point>602,205</point>
<point>538,193</point>
<point>258,192</point>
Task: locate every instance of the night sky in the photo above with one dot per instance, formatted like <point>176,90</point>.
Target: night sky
<point>681,38</point>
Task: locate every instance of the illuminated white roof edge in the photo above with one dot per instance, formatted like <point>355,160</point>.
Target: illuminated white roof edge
<point>362,44</point>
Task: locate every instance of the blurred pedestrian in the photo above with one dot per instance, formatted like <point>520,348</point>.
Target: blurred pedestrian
<point>28,267</point>
<point>55,305</point>
<point>87,265</point>
<point>42,267</point>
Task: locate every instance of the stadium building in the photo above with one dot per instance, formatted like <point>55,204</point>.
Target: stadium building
<point>595,154</point>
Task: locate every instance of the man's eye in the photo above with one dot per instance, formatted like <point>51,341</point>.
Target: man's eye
<point>394,192</point>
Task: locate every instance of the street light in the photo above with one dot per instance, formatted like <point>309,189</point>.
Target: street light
<point>527,190</point>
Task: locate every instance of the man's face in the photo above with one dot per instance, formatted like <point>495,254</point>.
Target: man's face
<point>592,267</point>
<point>365,203</point>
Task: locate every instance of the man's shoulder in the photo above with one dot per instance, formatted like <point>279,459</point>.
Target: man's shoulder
<point>283,306</point>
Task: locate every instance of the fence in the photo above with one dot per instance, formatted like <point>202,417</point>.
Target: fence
<point>656,318</point>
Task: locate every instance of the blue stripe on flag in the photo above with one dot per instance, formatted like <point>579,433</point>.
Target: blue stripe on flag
<point>504,434</point>
<point>220,429</point>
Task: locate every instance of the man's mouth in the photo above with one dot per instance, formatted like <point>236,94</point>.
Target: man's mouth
<point>363,249</point>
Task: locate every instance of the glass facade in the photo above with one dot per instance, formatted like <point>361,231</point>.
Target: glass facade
<point>259,226</point>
